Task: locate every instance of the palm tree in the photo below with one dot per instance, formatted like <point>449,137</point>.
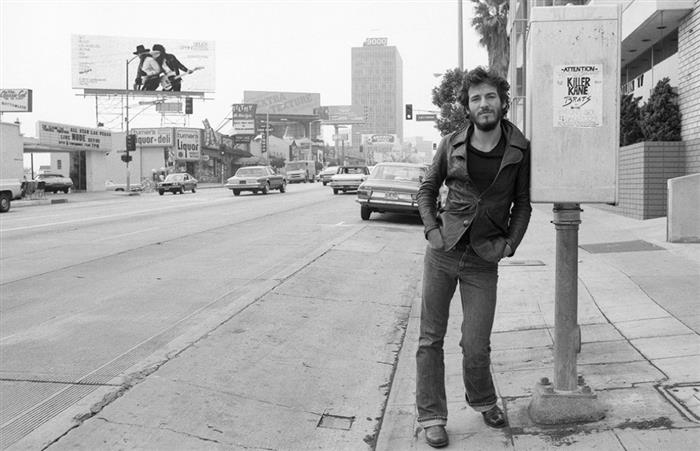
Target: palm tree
<point>491,22</point>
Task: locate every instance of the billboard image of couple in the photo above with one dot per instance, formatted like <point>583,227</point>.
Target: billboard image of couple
<point>164,65</point>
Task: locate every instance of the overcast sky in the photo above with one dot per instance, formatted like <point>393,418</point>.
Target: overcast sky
<point>264,45</point>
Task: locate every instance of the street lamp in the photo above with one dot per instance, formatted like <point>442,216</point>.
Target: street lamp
<point>128,175</point>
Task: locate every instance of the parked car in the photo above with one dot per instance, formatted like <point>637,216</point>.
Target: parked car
<point>392,187</point>
<point>256,178</point>
<point>133,187</point>
<point>54,182</point>
<point>348,178</point>
<point>325,175</point>
<point>177,183</point>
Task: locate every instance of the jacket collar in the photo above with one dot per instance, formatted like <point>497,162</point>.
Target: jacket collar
<point>513,136</point>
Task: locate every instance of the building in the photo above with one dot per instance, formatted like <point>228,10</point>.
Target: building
<point>377,87</point>
<point>658,40</point>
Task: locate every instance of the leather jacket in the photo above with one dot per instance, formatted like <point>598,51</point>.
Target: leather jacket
<point>495,217</point>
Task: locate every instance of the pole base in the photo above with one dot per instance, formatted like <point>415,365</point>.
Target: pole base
<point>548,406</point>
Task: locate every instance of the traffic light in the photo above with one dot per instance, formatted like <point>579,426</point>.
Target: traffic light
<point>409,111</point>
<point>188,105</point>
<point>127,158</point>
<point>130,143</point>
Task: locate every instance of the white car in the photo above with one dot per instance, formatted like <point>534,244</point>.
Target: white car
<point>349,178</point>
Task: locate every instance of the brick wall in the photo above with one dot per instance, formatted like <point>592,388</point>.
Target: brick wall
<point>692,156</point>
<point>643,170</point>
<point>689,74</point>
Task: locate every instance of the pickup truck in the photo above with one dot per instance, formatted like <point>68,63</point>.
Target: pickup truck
<point>10,189</point>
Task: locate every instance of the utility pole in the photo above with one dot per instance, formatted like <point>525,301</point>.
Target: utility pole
<point>460,51</point>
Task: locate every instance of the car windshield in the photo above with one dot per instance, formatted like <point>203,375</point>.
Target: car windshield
<point>296,166</point>
<point>352,170</point>
<point>250,172</point>
<point>331,170</point>
<point>401,173</point>
<point>174,178</point>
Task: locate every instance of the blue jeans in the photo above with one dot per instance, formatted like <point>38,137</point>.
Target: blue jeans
<point>477,285</point>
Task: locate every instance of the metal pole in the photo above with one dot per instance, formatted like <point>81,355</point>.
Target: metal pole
<point>128,176</point>
<point>567,217</point>
<point>460,51</point>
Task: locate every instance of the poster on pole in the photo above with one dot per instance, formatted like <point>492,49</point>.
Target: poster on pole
<point>578,96</point>
<point>142,64</point>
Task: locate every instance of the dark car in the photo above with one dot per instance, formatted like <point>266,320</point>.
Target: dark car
<point>256,178</point>
<point>54,182</point>
<point>177,183</point>
<point>392,187</point>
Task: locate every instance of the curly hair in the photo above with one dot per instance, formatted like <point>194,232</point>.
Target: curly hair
<point>481,75</point>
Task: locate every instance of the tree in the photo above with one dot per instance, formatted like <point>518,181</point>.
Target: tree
<point>491,23</point>
<point>661,117</point>
<point>276,162</point>
<point>452,115</point>
<point>630,118</point>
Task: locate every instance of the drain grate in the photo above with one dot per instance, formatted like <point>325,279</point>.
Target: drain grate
<point>521,263</point>
<point>685,397</point>
<point>335,422</point>
<point>621,246</point>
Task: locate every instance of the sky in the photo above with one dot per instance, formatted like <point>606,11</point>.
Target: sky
<point>265,45</point>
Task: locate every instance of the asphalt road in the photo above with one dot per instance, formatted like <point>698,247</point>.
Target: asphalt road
<point>99,295</point>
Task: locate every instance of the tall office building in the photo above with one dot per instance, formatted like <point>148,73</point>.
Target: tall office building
<point>377,85</point>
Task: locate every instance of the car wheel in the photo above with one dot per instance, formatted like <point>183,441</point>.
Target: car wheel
<point>283,187</point>
<point>160,191</point>
<point>119,189</point>
<point>5,200</point>
<point>266,188</point>
<point>236,192</point>
<point>182,190</point>
<point>365,212</point>
<point>194,189</point>
<point>325,183</point>
<point>335,190</point>
<point>65,190</point>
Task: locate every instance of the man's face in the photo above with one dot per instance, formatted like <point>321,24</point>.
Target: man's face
<point>485,109</point>
<point>155,53</point>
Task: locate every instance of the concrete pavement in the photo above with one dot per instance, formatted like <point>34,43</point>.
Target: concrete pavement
<point>638,298</point>
<point>638,311</point>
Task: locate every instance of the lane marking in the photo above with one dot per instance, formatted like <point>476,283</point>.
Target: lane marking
<point>113,237</point>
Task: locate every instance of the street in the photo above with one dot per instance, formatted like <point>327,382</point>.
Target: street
<point>308,301</point>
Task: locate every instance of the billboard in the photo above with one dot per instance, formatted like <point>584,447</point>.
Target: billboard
<point>188,144</point>
<point>344,114</point>
<point>142,64</point>
<point>16,100</point>
<point>153,137</point>
<point>73,137</point>
<point>283,103</point>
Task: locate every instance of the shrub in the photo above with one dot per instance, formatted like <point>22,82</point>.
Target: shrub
<point>630,118</point>
<point>660,115</point>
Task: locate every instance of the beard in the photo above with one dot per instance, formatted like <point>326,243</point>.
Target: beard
<point>484,123</point>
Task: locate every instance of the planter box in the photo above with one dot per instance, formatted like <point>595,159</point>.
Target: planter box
<point>643,170</point>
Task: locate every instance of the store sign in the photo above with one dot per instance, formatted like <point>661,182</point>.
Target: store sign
<point>188,144</point>
<point>244,118</point>
<point>16,100</point>
<point>73,137</point>
<point>381,139</point>
<point>153,137</point>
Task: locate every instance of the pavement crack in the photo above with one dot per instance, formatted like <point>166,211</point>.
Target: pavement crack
<point>164,428</point>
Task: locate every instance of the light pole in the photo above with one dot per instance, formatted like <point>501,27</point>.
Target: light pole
<point>460,52</point>
<point>128,175</point>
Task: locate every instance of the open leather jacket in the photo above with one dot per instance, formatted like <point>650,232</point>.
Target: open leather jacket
<point>495,217</point>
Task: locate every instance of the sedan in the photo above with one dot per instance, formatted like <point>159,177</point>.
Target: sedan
<point>392,187</point>
<point>177,183</point>
<point>325,175</point>
<point>256,179</point>
<point>349,178</point>
<point>54,182</point>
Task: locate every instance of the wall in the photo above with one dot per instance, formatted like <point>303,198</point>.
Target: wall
<point>643,171</point>
<point>689,75</point>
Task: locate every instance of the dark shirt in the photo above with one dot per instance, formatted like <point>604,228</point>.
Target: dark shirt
<point>482,168</point>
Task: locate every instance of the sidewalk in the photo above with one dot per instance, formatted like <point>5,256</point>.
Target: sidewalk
<point>638,311</point>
